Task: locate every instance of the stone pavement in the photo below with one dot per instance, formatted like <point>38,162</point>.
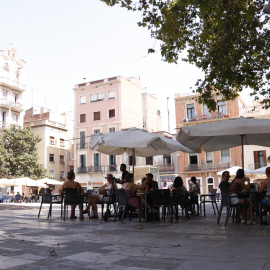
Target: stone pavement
<point>199,243</point>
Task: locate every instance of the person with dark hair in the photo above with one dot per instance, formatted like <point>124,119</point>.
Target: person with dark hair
<point>150,183</point>
<point>178,184</point>
<point>123,169</point>
<point>237,186</point>
<point>225,180</point>
<point>265,186</point>
<point>71,184</point>
<point>143,179</point>
<point>95,199</point>
<point>194,194</point>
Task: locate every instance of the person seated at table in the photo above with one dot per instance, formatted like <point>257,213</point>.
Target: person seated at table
<point>142,180</point>
<point>150,183</point>
<point>18,197</point>
<point>237,186</point>
<point>71,184</point>
<point>265,186</point>
<point>130,187</point>
<point>194,194</point>
<point>95,199</point>
<point>225,180</point>
<point>178,184</point>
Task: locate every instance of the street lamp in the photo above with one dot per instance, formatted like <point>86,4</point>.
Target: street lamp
<point>266,8</point>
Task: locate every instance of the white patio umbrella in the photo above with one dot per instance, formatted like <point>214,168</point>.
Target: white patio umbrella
<point>260,172</point>
<point>226,134</point>
<point>135,142</point>
<point>233,170</point>
<point>49,181</point>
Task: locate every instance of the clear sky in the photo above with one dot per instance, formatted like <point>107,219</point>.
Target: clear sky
<point>64,41</point>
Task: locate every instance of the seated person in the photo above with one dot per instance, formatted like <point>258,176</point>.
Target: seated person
<point>71,184</point>
<point>129,186</point>
<point>149,183</point>
<point>237,186</point>
<point>95,199</point>
<point>225,180</point>
<point>18,197</point>
<point>266,200</point>
<point>194,194</point>
<point>178,184</point>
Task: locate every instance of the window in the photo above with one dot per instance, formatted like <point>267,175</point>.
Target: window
<point>112,129</point>
<point>62,175</point>
<point>96,116</point>
<point>96,97</point>
<point>190,111</point>
<point>51,158</point>
<point>4,92</point>
<point>16,97</point>
<point>96,131</point>
<point>167,160</point>
<point>82,99</point>
<point>62,159</point>
<point>130,161</point>
<point>193,159</point>
<point>112,162</point>
<point>112,113</point>
<point>82,140</point>
<point>149,160</point>
<point>82,159</point>
<point>225,155</point>
<point>260,159</point>
<point>221,108</point>
<point>82,118</point>
<point>111,94</point>
<point>209,157</point>
<point>69,155</point>
<point>210,185</point>
<point>52,141</point>
<point>15,118</point>
<point>62,142</point>
<point>51,173</point>
<point>96,159</point>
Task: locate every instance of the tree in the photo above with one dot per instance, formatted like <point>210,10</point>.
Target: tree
<point>227,39</point>
<point>18,153</point>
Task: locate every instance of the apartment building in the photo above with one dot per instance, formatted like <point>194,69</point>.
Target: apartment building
<point>56,145</point>
<point>109,105</point>
<point>12,87</point>
<point>255,156</point>
<point>204,166</point>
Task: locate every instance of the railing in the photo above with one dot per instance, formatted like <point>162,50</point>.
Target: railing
<point>17,106</point>
<point>46,122</point>
<point>5,103</point>
<point>255,166</point>
<point>82,170</point>
<point>209,166</point>
<point>205,117</point>
<point>82,146</point>
<point>4,124</point>
<point>166,168</point>
<point>95,169</point>
<point>12,83</point>
<point>112,168</point>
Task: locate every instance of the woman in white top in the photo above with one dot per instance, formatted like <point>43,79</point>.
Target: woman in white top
<point>95,199</point>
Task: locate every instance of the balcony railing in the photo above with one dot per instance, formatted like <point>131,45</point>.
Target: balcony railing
<point>82,170</point>
<point>112,168</point>
<point>205,117</point>
<point>82,146</point>
<point>96,169</point>
<point>17,106</point>
<point>166,168</point>
<point>5,103</point>
<point>214,166</point>
<point>12,83</point>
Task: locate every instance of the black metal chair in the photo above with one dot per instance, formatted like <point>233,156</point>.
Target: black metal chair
<point>180,197</point>
<point>261,207</point>
<point>162,198</point>
<point>110,202</point>
<point>86,198</point>
<point>73,196</point>
<point>226,202</point>
<point>204,198</point>
<point>47,198</point>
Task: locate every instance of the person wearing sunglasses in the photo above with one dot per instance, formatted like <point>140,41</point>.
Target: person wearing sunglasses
<point>225,180</point>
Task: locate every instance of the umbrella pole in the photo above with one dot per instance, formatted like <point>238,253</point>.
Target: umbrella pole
<point>242,143</point>
<point>133,161</point>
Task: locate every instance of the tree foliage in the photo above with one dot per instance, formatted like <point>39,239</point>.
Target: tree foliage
<point>19,155</point>
<point>227,39</point>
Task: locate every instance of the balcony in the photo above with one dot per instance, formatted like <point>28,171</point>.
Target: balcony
<point>16,106</point>
<point>213,166</point>
<point>82,146</point>
<point>82,170</point>
<point>5,103</point>
<point>206,117</point>
<point>166,168</point>
<point>12,84</point>
<point>112,168</point>
<point>96,169</point>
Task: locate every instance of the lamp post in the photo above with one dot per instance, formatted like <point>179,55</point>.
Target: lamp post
<point>266,8</point>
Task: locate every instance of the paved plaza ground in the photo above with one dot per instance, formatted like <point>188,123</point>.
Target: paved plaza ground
<point>199,243</point>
